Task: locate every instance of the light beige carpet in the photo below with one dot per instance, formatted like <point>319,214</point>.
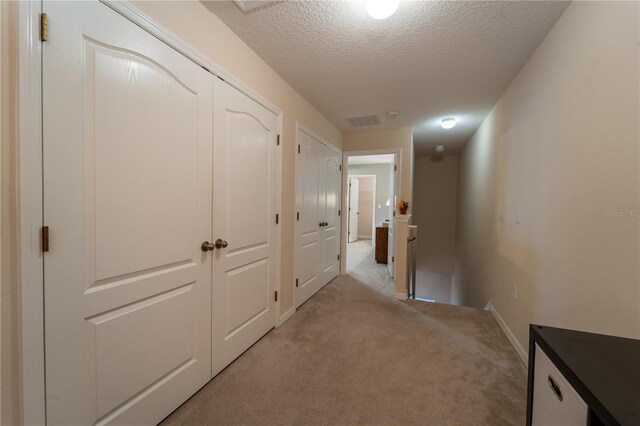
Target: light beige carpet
<point>351,355</point>
<point>362,265</point>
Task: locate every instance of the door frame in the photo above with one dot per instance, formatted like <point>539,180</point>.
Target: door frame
<point>345,187</point>
<point>373,214</point>
<point>296,208</point>
<point>29,141</point>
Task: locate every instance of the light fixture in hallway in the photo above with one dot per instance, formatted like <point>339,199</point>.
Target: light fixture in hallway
<point>382,9</point>
<point>439,148</point>
<point>448,123</point>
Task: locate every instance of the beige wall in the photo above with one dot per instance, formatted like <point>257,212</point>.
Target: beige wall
<point>385,139</point>
<point>366,199</point>
<point>434,196</point>
<point>200,28</point>
<point>562,146</point>
<point>9,378</point>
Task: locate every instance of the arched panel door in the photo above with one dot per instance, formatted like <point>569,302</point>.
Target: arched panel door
<point>244,226</point>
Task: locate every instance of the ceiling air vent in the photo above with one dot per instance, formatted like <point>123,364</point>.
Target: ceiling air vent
<point>364,120</point>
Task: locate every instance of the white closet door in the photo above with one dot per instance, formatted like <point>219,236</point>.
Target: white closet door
<point>391,239</point>
<point>318,179</point>
<point>127,199</point>
<point>331,230</point>
<point>244,214</point>
<point>354,190</point>
<point>310,186</point>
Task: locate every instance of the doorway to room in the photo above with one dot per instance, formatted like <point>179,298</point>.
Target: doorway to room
<point>368,231</point>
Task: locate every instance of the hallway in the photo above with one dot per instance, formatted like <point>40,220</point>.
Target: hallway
<point>352,355</point>
<point>362,266</point>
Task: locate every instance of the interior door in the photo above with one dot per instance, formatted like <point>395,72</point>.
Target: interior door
<point>331,230</point>
<point>354,191</point>
<point>310,186</point>
<point>392,196</point>
<point>127,198</point>
<point>244,223</point>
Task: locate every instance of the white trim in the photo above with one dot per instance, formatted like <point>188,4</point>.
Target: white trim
<point>278,307</point>
<point>30,214</point>
<point>314,135</point>
<point>345,192</point>
<point>364,237</point>
<point>522,354</point>
<point>286,315</point>
<point>401,296</point>
<point>133,14</point>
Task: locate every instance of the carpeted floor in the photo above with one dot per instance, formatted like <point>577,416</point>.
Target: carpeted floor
<point>351,355</point>
<point>362,265</point>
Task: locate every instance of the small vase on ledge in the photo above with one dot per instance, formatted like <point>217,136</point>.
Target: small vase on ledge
<point>403,211</point>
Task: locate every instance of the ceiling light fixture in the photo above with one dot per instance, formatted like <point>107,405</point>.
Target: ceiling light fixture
<point>439,148</point>
<point>448,123</point>
<point>382,9</point>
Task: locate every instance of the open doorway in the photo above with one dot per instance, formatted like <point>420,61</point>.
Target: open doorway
<point>370,188</point>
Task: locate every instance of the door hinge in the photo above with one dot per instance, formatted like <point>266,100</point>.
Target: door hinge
<point>45,238</point>
<point>340,167</point>
<point>277,218</point>
<point>393,258</point>
<point>338,257</point>
<point>43,27</point>
<point>338,212</point>
<point>278,140</point>
<point>298,149</point>
<point>296,282</point>
<point>276,296</point>
<point>297,215</point>
<point>394,213</point>
<point>395,168</point>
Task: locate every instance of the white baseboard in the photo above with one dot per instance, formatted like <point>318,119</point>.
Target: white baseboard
<point>510,336</point>
<point>286,316</point>
<point>364,237</point>
<point>401,296</point>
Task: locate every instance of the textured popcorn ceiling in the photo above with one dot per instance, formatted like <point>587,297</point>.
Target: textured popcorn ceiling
<point>428,61</point>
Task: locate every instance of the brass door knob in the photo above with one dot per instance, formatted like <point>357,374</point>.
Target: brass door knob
<point>221,243</point>
<point>207,246</point>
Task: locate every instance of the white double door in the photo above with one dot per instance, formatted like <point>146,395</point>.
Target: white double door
<point>140,168</point>
<point>318,187</point>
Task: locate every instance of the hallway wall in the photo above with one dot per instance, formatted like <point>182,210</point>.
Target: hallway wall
<point>435,196</point>
<point>549,193</point>
<point>366,200</point>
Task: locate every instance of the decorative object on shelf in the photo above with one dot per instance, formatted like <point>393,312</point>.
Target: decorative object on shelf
<point>403,206</point>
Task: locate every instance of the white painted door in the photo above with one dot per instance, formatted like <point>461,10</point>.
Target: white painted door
<point>127,199</point>
<point>331,175</point>
<point>244,219</point>
<point>354,191</point>
<point>318,178</point>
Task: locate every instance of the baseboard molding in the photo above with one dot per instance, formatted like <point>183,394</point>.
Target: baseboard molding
<point>510,336</point>
<point>364,237</point>
<point>286,316</point>
<point>401,296</point>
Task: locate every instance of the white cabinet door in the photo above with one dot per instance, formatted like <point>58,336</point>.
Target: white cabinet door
<point>127,198</point>
<point>244,215</point>
<point>354,188</point>
<point>555,402</point>
<point>318,190</point>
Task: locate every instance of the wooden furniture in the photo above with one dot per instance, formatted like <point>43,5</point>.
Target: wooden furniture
<point>382,242</point>
<point>582,378</point>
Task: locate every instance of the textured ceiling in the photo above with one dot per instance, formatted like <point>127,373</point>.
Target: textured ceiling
<point>430,60</point>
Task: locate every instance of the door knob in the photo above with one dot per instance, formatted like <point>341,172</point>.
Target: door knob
<point>207,246</point>
<point>221,244</point>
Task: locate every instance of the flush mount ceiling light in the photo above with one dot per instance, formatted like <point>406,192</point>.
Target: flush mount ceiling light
<point>448,123</point>
<point>439,148</point>
<point>382,9</point>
